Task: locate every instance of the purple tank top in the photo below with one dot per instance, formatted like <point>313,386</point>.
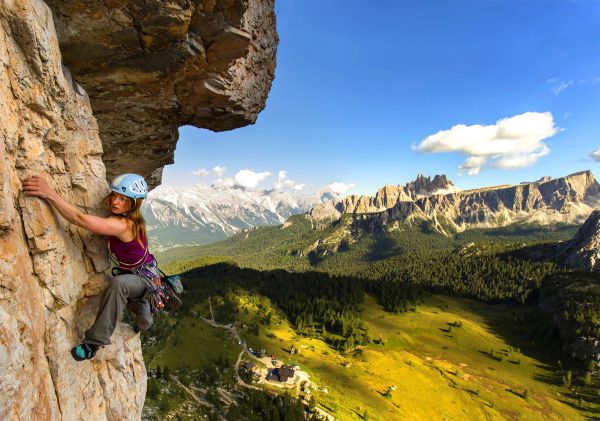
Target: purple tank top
<point>129,255</point>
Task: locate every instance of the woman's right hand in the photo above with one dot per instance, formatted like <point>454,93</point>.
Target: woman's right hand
<point>37,186</point>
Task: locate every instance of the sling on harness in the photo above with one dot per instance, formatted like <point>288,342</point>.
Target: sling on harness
<point>160,288</point>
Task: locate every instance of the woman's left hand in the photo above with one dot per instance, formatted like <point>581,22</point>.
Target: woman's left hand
<point>37,186</point>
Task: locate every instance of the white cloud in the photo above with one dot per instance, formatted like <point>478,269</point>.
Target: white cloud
<point>340,187</point>
<point>285,183</point>
<point>513,142</point>
<point>200,173</point>
<point>521,160</point>
<point>596,155</point>
<point>249,178</point>
<point>472,165</point>
<point>226,181</point>
<point>281,180</point>
<point>559,85</point>
<point>219,170</point>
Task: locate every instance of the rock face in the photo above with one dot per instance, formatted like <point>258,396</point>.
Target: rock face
<point>50,271</point>
<point>569,199</point>
<point>152,66</point>
<point>583,251</point>
<point>423,187</point>
<point>387,197</point>
<point>149,67</point>
<point>323,214</point>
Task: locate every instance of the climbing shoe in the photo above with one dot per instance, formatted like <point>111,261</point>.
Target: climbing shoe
<point>84,351</point>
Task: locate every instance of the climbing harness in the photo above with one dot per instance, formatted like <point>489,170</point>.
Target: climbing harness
<point>160,288</point>
<point>155,294</point>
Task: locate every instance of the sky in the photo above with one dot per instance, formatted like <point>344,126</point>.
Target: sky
<point>368,94</point>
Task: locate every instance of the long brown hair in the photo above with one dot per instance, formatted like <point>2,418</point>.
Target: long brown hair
<point>134,214</point>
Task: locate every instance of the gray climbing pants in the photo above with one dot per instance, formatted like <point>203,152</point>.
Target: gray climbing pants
<point>125,290</point>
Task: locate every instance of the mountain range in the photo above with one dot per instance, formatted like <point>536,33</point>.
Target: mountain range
<point>566,200</point>
<point>203,214</point>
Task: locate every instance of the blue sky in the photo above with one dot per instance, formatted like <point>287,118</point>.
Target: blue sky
<point>360,86</point>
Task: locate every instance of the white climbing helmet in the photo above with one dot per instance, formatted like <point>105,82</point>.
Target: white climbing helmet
<point>130,185</point>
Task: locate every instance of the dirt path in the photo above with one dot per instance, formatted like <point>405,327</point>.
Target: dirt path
<point>264,360</point>
<point>237,374</point>
<point>197,399</point>
<point>212,316</point>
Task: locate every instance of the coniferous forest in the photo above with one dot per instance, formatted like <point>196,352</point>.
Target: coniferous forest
<point>320,290</point>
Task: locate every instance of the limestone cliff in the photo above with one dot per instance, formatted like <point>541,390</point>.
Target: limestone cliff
<point>151,66</point>
<point>583,251</point>
<point>569,199</point>
<point>49,270</point>
<point>389,196</point>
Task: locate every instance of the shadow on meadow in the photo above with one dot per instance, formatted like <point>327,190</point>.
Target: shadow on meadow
<point>318,304</point>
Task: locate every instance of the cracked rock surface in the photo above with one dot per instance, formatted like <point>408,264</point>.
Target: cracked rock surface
<point>50,271</point>
<point>151,66</point>
<point>583,251</point>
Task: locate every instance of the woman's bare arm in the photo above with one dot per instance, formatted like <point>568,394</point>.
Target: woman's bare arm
<point>37,186</point>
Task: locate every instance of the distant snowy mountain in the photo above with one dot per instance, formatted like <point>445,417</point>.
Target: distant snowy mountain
<point>202,214</point>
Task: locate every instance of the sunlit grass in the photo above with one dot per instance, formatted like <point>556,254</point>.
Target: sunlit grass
<point>194,344</point>
<point>421,370</point>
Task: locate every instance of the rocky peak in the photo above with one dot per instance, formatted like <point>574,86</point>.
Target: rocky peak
<point>578,185</point>
<point>583,251</point>
<point>568,199</point>
<point>425,186</point>
<point>355,203</point>
<point>389,196</point>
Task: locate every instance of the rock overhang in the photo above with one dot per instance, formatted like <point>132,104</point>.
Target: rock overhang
<point>150,67</point>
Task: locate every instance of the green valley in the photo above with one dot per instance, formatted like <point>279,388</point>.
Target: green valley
<point>410,326</point>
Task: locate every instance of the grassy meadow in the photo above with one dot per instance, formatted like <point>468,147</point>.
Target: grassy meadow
<point>441,358</point>
<point>450,359</point>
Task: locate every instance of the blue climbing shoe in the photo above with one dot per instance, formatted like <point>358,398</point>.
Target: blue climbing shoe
<point>84,351</point>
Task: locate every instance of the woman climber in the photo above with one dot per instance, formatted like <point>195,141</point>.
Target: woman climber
<point>128,245</point>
